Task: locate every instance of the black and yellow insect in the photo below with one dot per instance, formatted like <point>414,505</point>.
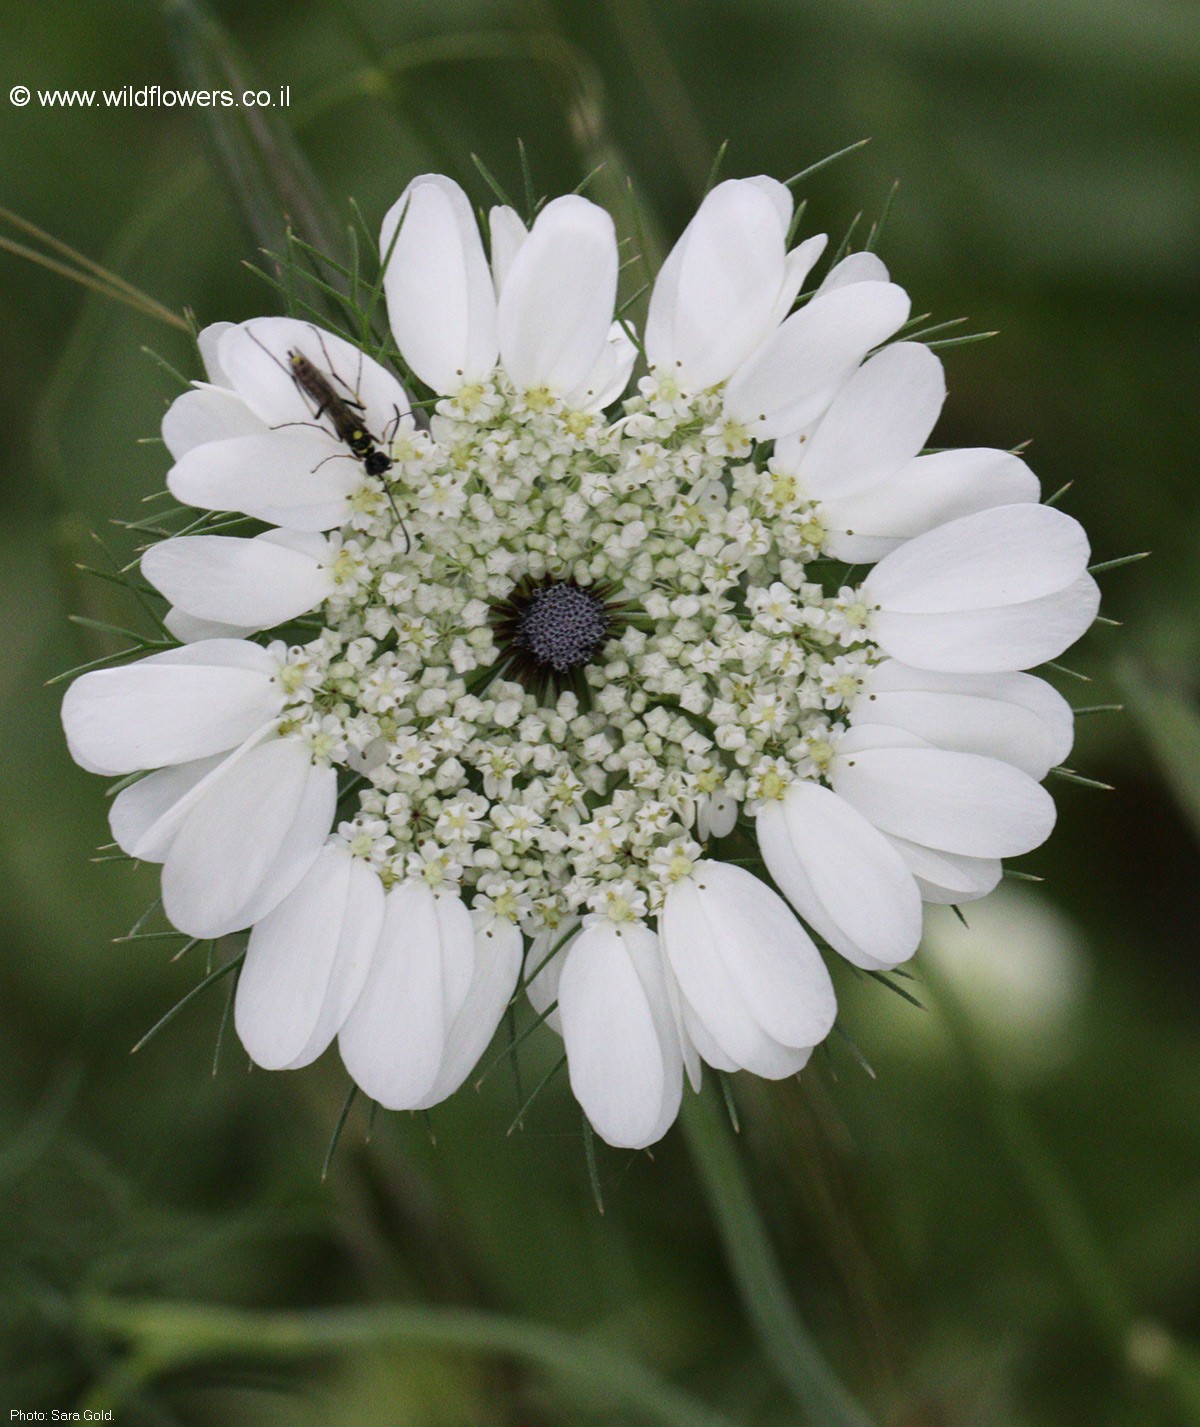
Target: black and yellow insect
<point>345,415</point>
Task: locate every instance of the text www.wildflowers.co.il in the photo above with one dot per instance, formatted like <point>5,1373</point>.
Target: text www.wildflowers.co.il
<point>152,96</point>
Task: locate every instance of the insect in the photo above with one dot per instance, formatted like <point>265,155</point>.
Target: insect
<point>344,414</point>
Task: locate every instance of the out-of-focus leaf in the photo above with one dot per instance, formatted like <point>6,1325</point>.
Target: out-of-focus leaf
<point>1170,724</point>
<point>272,183</point>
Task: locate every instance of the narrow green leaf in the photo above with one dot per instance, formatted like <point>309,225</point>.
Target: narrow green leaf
<point>537,1090</point>
<point>1069,775</point>
<point>593,1169</point>
<point>343,1115</point>
<point>213,976</point>
<point>798,178</point>
<point>1117,563</point>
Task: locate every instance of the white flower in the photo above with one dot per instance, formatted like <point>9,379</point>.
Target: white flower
<point>554,652</point>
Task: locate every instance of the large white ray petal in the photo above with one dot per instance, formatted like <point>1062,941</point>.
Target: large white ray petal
<point>494,978</point>
<point>746,967</point>
<point>854,267</point>
<point>207,413</point>
<point>508,234</point>
<point>543,967</point>
<point>171,707</point>
<point>440,298</point>
<point>716,297</point>
<point>190,630</point>
<point>394,1038</point>
<point>208,339</point>
<point>955,802</point>
<point>1014,717</point>
<point>1012,637</point>
<point>878,421</point>
<point>306,961</point>
<point>623,1053</point>
<point>557,305</point>
<point>926,492</point>
<point>248,840</point>
<point>947,878</point>
<point>298,478</point>
<point>141,815</point>
<point>840,874</point>
<point>1003,556</point>
<point>257,357</point>
<point>256,583</point>
<point>610,376</point>
<point>794,375</point>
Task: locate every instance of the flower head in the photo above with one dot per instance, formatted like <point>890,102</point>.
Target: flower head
<point>554,653</point>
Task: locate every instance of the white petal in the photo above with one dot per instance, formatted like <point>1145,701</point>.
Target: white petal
<point>610,376</point>
<point>257,357</point>
<point>508,234</point>
<point>307,960</point>
<point>778,194</point>
<point>746,967</point>
<point>841,875</point>
<point>717,294</point>
<point>543,967</point>
<point>791,379</point>
<point>140,815</point>
<point>208,339</point>
<point>497,967</point>
<point>298,478</point>
<point>248,839</point>
<point>855,267</point>
<point>394,1038</point>
<point>956,802</point>
<point>207,413</point>
<point>1014,717</point>
<point>171,707</point>
<point>797,266</point>
<point>1017,636</point>
<point>1005,556</point>
<point>557,306</point>
<point>946,877</point>
<point>622,1049</point>
<point>925,492</point>
<point>190,630</point>
<point>258,583</point>
<point>878,421</point>
<point>440,298</point>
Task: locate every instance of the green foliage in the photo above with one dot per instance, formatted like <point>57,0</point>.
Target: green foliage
<point>1050,191</point>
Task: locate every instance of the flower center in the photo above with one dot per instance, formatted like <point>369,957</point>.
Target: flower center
<point>562,626</point>
<point>549,629</point>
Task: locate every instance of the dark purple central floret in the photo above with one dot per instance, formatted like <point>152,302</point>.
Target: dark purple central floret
<point>562,626</point>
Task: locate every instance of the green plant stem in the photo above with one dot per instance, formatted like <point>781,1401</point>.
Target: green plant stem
<point>161,1337</point>
<point>755,1268</point>
<point>1143,1346</point>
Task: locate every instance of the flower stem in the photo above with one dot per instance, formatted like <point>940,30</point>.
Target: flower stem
<point>1144,1347</point>
<point>755,1268</point>
<point>162,1337</point>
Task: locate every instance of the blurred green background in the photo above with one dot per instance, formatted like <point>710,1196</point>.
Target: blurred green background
<point>1002,1227</point>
